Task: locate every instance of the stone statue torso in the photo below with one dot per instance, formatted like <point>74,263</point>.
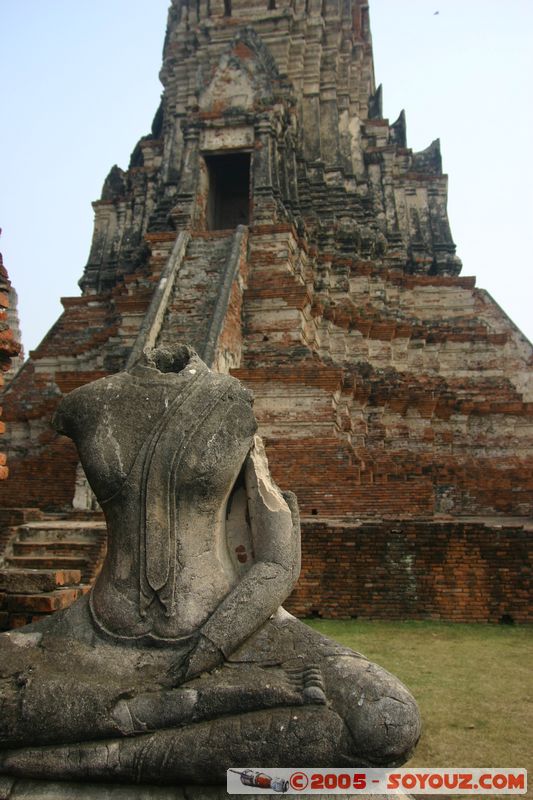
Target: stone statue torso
<point>184,444</point>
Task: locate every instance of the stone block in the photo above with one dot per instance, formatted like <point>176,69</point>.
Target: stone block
<point>45,602</point>
<point>26,581</point>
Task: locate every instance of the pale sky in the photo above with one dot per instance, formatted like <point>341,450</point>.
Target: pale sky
<point>80,86</point>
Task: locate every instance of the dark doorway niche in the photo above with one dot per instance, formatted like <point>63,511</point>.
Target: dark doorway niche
<point>228,202</point>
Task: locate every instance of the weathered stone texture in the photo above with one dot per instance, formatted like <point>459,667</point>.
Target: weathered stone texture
<point>388,387</point>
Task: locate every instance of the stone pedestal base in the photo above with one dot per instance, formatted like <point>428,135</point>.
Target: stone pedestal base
<point>19,789</point>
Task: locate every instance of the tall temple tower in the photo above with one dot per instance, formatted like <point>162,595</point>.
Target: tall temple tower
<point>277,222</point>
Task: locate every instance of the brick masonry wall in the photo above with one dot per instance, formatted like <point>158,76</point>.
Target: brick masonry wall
<point>393,395</point>
<point>427,569</point>
<point>9,348</point>
<point>90,340</point>
<point>45,480</point>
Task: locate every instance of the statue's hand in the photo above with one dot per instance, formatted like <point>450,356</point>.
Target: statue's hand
<point>205,656</point>
<point>201,656</point>
<point>177,671</point>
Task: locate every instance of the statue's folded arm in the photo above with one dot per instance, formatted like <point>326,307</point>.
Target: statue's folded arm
<point>263,588</point>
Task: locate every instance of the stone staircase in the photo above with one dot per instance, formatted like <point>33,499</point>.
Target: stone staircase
<point>46,564</point>
<point>194,295</point>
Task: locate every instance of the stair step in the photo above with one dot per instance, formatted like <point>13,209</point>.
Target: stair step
<point>65,524</point>
<point>217,243</point>
<point>208,252</point>
<point>39,534</point>
<point>37,580</point>
<point>219,246</point>
<point>17,516</point>
<point>209,264</point>
<point>42,602</point>
<point>48,562</point>
<point>53,548</point>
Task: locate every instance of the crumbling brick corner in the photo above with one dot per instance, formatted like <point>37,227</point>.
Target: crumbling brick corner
<point>9,348</point>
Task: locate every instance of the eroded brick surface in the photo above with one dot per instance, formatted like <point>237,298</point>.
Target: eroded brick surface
<point>10,349</point>
<point>471,571</point>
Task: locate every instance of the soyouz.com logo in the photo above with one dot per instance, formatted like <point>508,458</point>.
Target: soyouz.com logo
<point>467,780</point>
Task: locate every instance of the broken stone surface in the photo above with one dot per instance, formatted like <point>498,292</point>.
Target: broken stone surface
<point>181,661</point>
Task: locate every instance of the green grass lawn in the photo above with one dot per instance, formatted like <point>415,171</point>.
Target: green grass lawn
<point>473,683</point>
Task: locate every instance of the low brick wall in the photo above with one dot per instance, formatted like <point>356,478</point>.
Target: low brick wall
<point>456,571</point>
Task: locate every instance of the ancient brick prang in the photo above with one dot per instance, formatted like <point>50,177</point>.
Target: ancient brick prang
<point>277,221</point>
<point>9,347</point>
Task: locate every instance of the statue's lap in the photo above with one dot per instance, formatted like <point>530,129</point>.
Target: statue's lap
<point>288,696</point>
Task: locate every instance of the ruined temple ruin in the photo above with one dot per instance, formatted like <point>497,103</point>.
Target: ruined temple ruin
<point>274,220</point>
<point>10,349</point>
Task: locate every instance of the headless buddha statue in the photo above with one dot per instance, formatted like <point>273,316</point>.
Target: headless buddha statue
<point>181,662</point>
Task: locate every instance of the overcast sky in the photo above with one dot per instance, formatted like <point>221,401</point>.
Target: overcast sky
<point>80,86</point>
